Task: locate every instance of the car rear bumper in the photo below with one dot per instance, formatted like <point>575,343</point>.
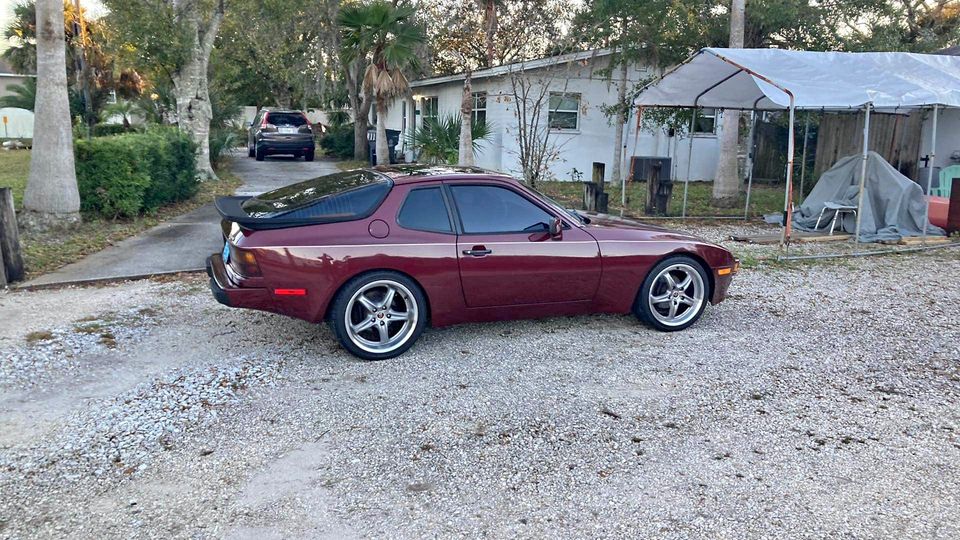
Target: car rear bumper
<point>232,295</point>
<point>291,143</point>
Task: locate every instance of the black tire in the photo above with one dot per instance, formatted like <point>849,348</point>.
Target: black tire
<point>343,302</point>
<point>308,156</point>
<point>251,151</point>
<point>642,304</point>
<point>259,153</point>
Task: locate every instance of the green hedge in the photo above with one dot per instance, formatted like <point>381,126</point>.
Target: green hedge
<point>126,175</point>
<point>338,142</point>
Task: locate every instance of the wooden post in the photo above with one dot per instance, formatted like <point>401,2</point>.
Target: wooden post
<point>10,255</point>
<point>3,272</point>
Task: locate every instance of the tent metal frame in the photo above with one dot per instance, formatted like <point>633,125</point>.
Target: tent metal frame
<point>791,149</point>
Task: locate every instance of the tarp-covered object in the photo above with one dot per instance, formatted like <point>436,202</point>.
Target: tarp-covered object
<point>761,78</point>
<point>893,205</point>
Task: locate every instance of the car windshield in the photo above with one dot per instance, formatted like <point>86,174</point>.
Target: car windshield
<point>335,197</point>
<point>568,211</point>
<point>286,119</point>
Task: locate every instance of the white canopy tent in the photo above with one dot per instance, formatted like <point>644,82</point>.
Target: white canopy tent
<point>776,79</point>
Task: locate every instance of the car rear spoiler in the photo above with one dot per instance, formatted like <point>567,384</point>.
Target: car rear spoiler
<point>231,208</point>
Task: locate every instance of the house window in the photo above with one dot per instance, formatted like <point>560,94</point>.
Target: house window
<point>479,108</point>
<point>429,108</point>
<point>706,122</point>
<point>564,111</point>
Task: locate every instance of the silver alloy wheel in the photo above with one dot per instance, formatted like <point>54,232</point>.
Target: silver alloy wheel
<point>381,316</point>
<point>677,294</point>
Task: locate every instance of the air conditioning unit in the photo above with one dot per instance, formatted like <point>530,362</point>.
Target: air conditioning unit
<point>643,168</point>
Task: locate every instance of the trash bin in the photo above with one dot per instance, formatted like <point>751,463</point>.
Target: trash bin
<point>393,139</point>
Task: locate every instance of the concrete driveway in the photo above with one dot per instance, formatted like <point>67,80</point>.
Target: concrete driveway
<point>183,243</point>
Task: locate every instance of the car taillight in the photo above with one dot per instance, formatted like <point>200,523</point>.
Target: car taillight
<point>265,125</point>
<point>244,262</point>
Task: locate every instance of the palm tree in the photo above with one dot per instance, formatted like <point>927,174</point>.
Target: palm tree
<point>22,96</point>
<point>126,110</point>
<point>51,199</point>
<point>388,34</point>
<point>439,139</point>
<point>726,186</point>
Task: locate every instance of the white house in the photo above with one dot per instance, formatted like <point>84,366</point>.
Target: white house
<point>583,135</point>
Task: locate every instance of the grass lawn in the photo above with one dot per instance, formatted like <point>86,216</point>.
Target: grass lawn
<point>44,253</point>
<point>14,168</point>
<point>764,199</point>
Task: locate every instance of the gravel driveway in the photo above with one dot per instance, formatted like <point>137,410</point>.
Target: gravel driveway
<point>818,401</point>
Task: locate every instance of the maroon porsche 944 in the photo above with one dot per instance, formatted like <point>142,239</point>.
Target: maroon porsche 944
<point>381,253</point>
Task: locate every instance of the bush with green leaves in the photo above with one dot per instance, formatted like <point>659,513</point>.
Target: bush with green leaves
<point>223,140</point>
<point>338,141</point>
<point>107,130</point>
<point>127,175</point>
<point>438,139</point>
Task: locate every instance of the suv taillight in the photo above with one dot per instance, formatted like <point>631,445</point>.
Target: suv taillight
<point>244,262</point>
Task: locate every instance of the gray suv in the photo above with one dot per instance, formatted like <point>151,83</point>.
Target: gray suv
<point>280,131</point>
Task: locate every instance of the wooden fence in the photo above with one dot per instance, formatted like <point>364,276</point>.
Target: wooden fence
<point>896,137</point>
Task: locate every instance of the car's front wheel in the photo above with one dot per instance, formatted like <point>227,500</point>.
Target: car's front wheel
<point>379,315</point>
<point>251,150</point>
<point>674,294</point>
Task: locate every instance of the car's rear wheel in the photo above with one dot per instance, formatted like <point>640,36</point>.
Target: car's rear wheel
<point>309,155</point>
<point>674,294</point>
<point>379,315</point>
<point>259,153</point>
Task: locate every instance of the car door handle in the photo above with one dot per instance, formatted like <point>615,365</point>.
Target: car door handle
<point>477,251</point>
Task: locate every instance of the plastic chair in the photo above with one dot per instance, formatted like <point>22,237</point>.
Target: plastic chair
<point>946,180</point>
<point>838,210</point>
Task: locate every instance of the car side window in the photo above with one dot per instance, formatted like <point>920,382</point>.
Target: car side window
<point>425,210</point>
<point>495,209</point>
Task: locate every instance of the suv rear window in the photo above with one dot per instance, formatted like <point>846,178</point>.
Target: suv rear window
<point>335,197</point>
<point>286,119</point>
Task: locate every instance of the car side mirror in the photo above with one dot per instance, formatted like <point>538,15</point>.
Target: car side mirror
<point>555,227</point>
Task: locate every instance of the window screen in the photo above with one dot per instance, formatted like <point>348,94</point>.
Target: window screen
<point>425,210</point>
<point>493,209</point>
<point>564,111</point>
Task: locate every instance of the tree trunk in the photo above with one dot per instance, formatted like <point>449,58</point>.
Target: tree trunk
<point>51,199</point>
<point>361,111</point>
<point>191,86</point>
<point>491,25</point>
<point>622,109</point>
<point>383,149</point>
<point>466,127</point>
<point>726,186</point>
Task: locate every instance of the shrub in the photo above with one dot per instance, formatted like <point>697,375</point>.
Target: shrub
<point>438,139</point>
<point>106,130</point>
<point>338,142</point>
<point>223,140</point>
<point>126,175</point>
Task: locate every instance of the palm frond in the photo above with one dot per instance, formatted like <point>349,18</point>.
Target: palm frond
<point>438,139</point>
<point>23,96</point>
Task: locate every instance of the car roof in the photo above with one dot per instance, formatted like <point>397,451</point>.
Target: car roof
<point>407,174</point>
